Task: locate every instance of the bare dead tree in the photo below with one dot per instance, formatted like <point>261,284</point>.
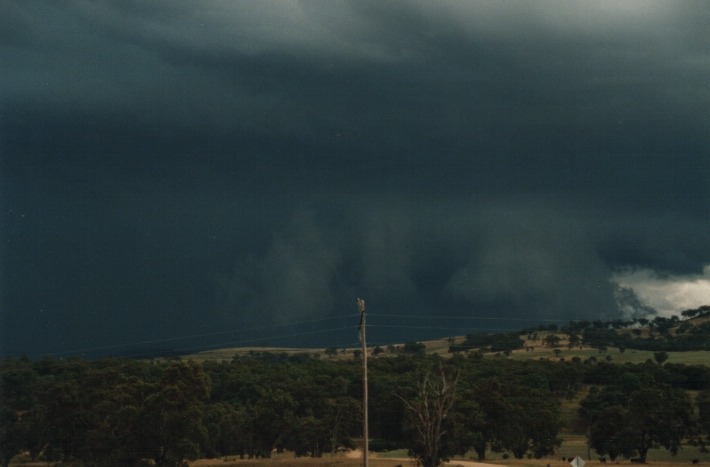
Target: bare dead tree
<point>429,407</point>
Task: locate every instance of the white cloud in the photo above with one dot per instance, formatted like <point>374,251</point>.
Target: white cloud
<point>667,294</point>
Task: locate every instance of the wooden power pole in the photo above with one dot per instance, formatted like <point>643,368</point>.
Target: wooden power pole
<point>365,434</point>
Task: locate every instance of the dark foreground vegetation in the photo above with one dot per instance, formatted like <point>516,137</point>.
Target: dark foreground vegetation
<point>139,412</point>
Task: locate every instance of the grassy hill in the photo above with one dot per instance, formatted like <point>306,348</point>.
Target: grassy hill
<point>534,346</point>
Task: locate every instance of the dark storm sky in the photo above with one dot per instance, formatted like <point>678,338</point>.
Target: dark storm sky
<point>195,174</point>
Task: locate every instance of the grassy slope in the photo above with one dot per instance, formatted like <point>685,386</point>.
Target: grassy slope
<point>533,350</point>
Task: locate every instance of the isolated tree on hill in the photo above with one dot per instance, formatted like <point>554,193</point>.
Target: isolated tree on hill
<point>552,340</point>
<point>660,357</point>
<point>413,347</point>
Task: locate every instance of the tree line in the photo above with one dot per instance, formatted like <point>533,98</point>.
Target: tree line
<point>689,331</point>
<point>135,412</point>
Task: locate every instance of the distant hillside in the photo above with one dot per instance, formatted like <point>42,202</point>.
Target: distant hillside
<point>685,338</point>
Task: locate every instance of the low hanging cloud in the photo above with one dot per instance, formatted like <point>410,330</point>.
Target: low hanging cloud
<point>430,260</point>
<point>533,260</point>
<point>290,282</point>
<point>667,294</point>
<point>388,239</point>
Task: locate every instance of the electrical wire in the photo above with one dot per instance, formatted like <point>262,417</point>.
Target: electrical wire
<point>275,337</point>
<point>85,350</point>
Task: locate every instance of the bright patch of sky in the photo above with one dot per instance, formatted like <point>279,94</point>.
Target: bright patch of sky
<point>667,294</point>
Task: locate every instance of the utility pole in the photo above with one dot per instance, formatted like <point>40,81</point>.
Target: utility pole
<point>365,435</point>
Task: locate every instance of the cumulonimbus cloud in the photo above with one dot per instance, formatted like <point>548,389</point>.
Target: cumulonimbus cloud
<point>669,294</point>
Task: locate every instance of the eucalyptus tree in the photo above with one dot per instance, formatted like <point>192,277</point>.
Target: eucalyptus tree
<point>428,407</point>
<point>171,419</point>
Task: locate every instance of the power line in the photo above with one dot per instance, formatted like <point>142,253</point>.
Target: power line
<point>283,336</point>
<point>482,318</point>
<point>441,328</point>
<point>212,334</point>
<point>377,317</point>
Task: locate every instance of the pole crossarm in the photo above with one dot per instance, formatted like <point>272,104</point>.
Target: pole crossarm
<point>361,309</point>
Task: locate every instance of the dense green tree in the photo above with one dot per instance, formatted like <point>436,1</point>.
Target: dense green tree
<point>19,384</point>
<point>18,399</point>
<point>552,340</point>
<point>11,436</point>
<point>703,402</point>
<point>501,342</point>
<point>171,420</point>
<point>531,422</point>
<point>599,336</point>
<point>268,421</point>
<point>469,425</point>
<point>491,398</point>
<point>68,414</point>
<point>116,398</point>
<point>610,433</point>
<point>226,429</point>
<point>658,418</point>
<point>387,378</point>
<point>650,417</point>
<point>413,347</point>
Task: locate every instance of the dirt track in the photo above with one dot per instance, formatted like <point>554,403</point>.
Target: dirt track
<point>354,459</point>
<point>348,459</point>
